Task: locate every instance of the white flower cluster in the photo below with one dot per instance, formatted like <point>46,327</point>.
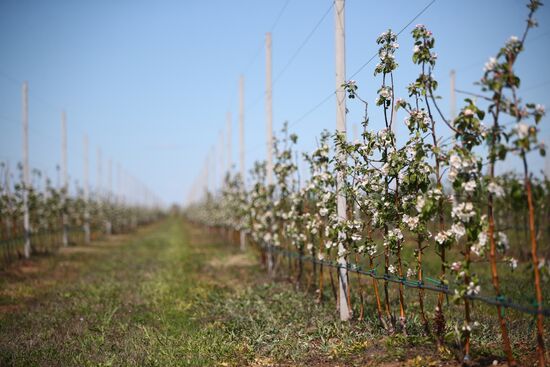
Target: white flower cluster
<point>473,289</point>
<point>456,231</point>
<point>411,272</point>
<point>522,130</point>
<point>423,44</point>
<point>495,189</point>
<point>513,44</point>
<point>388,46</point>
<point>395,235</point>
<point>469,186</point>
<point>385,95</point>
<point>460,165</point>
<point>463,211</point>
<point>417,119</point>
<point>410,221</point>
<point>490,65</point>
<point>502,242</point>
<point>480,246</point>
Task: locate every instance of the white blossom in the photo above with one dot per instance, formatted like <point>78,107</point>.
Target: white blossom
<point>395,234</point>
<point>469,186</point>
<point>522,130</point>
<point>420,202</point>
<point>458,230</point>
<point>495,189</point>
<point>473,289</point>
<point>490,65</point>
<point>463,211</point>
<point>411,222</point>
<point>503,241</point>
<point>480,246</point>
<point>456,266</point>
<point>441,237</point>
<point>342,236</point>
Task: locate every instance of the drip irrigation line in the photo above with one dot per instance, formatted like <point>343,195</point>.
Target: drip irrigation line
<point>437,287</point>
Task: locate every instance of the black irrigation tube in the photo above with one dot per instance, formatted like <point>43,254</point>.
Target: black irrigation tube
<point>354,268</point>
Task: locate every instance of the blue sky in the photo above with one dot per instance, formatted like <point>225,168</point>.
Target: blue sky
<point>150,82</point>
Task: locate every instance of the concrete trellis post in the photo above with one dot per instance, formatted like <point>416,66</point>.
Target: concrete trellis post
<point>65,178</point>
<point>118,183</point>
<point>221,150</point>
<point>86,194</point>
<point>109,225</point>
<point>100,192</point>
<point>242,233</point>
<point>228,139</point>
<point>269,126</point>
<point>26,173</point>
<point>99,180</point>
<point>213,161</point>
<point>241,127</point>
<point>269,106</point>
<point>339,18</point>
<point>207,175</point>
<point>453,94</point>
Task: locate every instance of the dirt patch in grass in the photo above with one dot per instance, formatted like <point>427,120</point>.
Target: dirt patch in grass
<point>232,261</point>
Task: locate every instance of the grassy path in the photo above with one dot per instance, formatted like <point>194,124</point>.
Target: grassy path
<point>169,296</point>
<point>126,302</point>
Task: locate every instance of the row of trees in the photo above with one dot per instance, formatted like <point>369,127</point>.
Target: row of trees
<point>410,199</point>
<point>58,218</point>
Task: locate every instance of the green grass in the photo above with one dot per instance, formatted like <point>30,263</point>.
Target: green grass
<point>172,295</point>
